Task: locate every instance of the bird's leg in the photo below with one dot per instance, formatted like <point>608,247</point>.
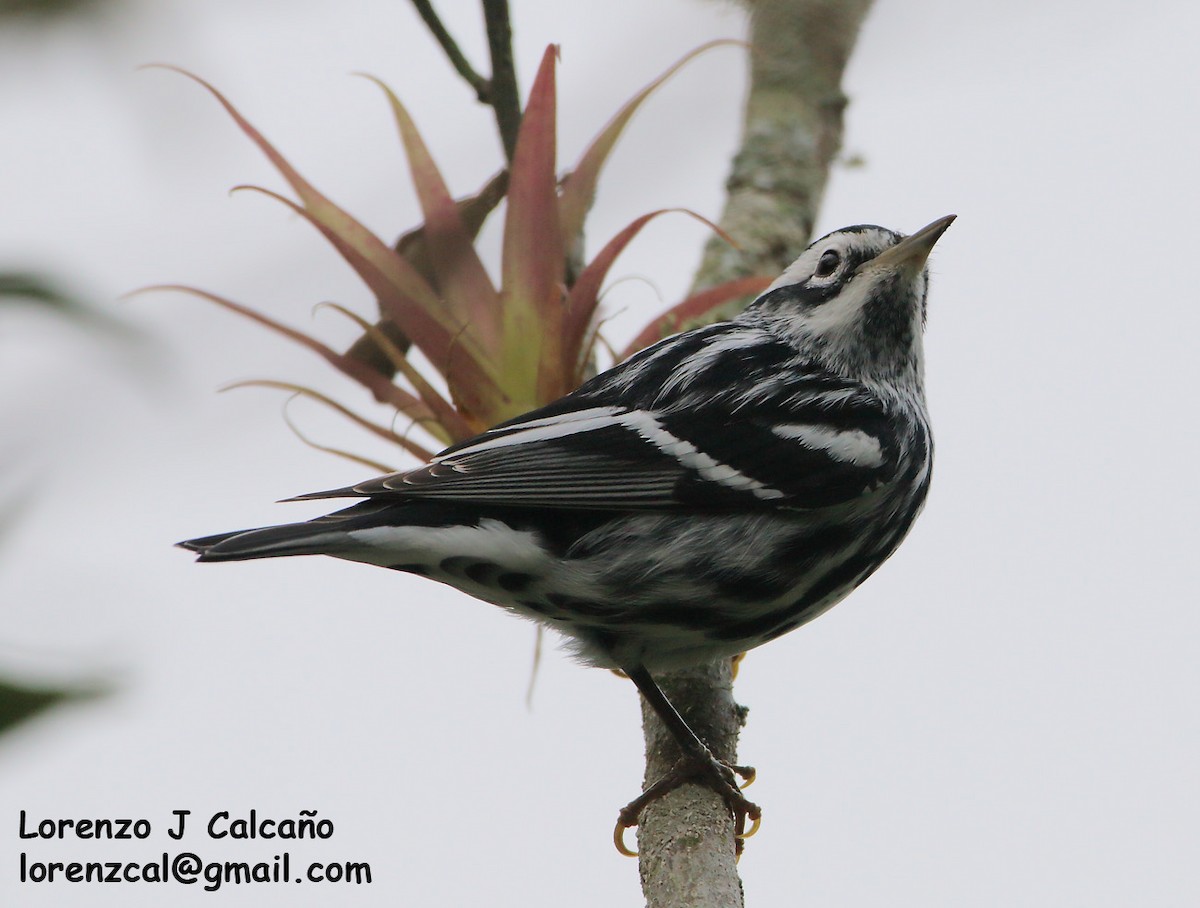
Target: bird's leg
<point>696,764</point>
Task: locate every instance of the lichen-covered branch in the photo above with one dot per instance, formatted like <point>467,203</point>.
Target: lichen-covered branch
<point>685,840</point>
<point>793,131</point>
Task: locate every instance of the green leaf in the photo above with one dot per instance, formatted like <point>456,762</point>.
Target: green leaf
<point>38,288</point>
<point>19,702</point>
<point>46,291</point>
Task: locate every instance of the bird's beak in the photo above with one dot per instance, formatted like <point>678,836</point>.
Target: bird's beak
<point>913,250</point>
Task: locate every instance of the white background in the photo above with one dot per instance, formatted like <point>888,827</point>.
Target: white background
<point>1005,715</point>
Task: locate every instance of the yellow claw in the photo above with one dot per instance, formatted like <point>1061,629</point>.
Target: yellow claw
<point>619,840</point>
<point>735,662</point>
<point>749,774</point>
<point>754,827</point>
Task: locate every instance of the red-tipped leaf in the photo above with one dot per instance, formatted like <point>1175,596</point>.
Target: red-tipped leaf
<point>461,277</point>
<point>415,321</point>
<point>406,297</point>
<point>403,441</point>
<point>382,389</point>
<point>453,425</point>
<point>695,311</point>
<point>532,259</point>
<point>585,293</point>
<point>579,187</point>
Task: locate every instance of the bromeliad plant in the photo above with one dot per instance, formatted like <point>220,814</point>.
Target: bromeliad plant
<point>498,350</point>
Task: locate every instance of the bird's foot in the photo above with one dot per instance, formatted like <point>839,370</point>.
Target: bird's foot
<point>706,770</point>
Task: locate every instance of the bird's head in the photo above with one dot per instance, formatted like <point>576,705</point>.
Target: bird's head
<point>855,301</point>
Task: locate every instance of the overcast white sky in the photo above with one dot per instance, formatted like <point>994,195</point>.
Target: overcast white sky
<point>1004,715</point>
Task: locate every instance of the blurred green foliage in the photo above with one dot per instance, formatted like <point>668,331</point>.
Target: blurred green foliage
<point>17,700</point>
<point>45,9</point>
<point>48,293</point>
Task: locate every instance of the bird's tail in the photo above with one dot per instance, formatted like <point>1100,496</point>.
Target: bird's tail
<point>266,542</point>
<point>328,535</point>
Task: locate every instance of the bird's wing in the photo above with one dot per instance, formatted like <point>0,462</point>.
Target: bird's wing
<point>805,440</point>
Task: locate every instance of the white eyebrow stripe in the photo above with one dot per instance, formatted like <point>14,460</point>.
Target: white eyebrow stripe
<point>853,446</point>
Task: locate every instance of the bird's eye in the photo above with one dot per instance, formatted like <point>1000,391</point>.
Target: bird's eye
<point>827,263</point>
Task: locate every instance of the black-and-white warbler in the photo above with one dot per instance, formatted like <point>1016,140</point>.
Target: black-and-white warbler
<point>712,492</point>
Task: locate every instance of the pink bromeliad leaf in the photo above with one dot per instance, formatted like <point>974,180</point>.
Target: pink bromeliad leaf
<point>455,427</point>
<point>579,186</point>
<point>404,295</point>
<point>383,390</point>
<point>462,280</point>
<point>579,327</point>
<point>401,441</point>
<point>531,369</point>
<point>696,310</point>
